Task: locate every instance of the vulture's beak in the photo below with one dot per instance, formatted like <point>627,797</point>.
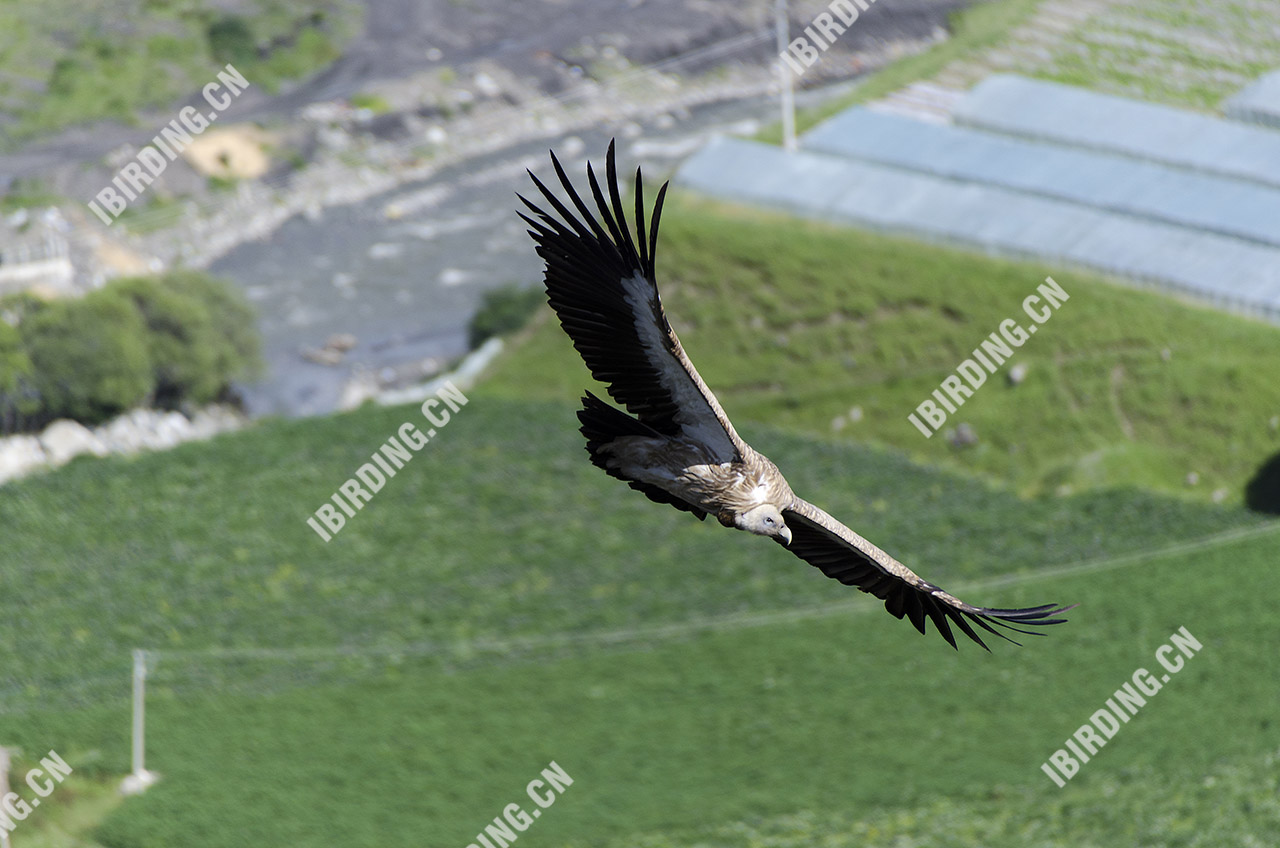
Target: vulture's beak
<point>785,535</point>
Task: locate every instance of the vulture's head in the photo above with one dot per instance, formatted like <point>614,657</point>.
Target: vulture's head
<point>764,520</point>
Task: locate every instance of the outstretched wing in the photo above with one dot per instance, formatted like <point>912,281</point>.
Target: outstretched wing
<point>843,555</point>
<point>600,282</point>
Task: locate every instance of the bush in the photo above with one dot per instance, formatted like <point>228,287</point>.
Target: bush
<point>180,338</point>
<point>201,335</point>
<point>503,310</point>
<point>236,343</point>
<point>375,103</point>
<point>181,342</point>
<point>89,357</point>
<point>231,40</point>
<point>16,394</point>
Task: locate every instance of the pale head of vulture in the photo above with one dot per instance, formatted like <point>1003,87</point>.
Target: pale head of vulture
<point>764,520</point>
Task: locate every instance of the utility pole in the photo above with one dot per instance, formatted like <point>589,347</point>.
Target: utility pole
<point>4,789</point>
<point>782,26</point>
<point>139,712</point>
<point>140,778</point>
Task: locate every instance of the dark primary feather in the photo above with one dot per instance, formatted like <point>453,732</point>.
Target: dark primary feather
<point>586,265</point>
<point>843,555</point>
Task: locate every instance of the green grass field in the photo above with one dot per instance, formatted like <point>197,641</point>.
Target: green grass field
<point>502,604</point>
<point>499,529</point>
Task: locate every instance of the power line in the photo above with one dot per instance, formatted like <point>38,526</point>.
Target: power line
<point>730,621</point>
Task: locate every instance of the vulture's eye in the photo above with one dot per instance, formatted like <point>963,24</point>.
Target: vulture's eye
<point>769,520</point>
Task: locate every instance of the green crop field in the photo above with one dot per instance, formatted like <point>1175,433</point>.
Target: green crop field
<point>725,716</point>
<point>728,720</point>
<point>501,604</point>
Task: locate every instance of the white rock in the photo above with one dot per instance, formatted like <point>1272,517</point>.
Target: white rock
<point>203,425</point>
<point>361,387</point>
<point>341,342</point>
<point>453,277</point>
<point>121,435</point>
<point>385,250</point>
<point>63,440</point>
<point>171,428</point>
<point>211,420</point>
<point>487,85</point>
<point>19,455</point>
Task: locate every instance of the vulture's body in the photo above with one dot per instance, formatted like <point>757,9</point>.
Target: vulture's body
<point>677,446</point>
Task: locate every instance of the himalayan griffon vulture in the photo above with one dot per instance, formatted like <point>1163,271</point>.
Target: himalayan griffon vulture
<point>677,446</point>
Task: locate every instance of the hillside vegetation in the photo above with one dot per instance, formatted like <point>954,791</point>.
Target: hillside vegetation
<point>1181,52</point>
<point>70,62</point>
<point>172,340</point>
<point>796,323</point>
<point>501,604</point>
<point>499,530</point>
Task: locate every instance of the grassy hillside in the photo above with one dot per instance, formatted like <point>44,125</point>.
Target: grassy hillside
<point>972,31</point>
<point>1180,52</point>
<point>68,62</point>
<point>708,726</point>
<point>698,684</point>
<point>500,529</point>
<point>797,323</point>
<point>1233,803</point>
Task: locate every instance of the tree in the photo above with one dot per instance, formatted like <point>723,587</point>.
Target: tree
<point>89,356</point>
<point>182,341</point>
<point>237,353</point>
<point>16,393</point>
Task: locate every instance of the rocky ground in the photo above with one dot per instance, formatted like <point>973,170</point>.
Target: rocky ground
<point>139,430</point>
<point>452,80</point>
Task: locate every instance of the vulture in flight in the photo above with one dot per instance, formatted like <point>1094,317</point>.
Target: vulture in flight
<point>677,446</point>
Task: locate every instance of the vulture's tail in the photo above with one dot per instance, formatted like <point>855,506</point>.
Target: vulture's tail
<point>601,424</point>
